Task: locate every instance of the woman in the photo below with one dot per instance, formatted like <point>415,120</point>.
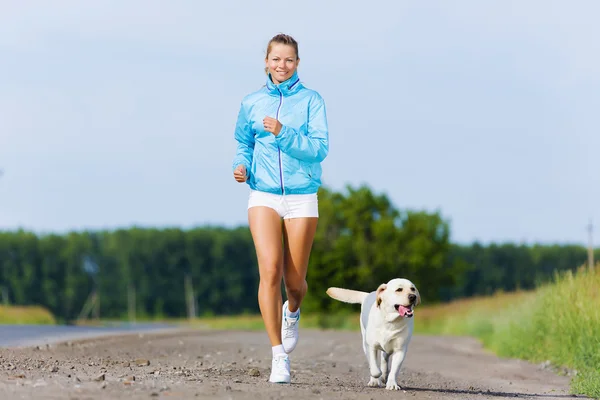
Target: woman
<point>282,137</point>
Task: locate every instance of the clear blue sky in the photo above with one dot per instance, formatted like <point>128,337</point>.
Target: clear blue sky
<point>115,113</point>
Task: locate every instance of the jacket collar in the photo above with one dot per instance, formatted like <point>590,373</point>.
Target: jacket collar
<point>288,87</point>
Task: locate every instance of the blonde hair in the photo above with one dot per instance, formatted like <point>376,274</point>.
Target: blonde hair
<point>281,38</point>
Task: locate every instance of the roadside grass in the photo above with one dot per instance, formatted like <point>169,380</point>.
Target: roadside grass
<point>558,323</point>
<point>20,315</point>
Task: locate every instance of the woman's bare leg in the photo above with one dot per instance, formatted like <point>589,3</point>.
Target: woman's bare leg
<point>265,226</point>
<point>298,236</point>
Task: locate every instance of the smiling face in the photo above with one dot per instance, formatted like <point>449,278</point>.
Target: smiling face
<point>398,298</point>
<point>281,62</point>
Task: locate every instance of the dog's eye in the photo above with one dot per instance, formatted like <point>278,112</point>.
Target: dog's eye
<point>399,290</point>
<point>412,288</point>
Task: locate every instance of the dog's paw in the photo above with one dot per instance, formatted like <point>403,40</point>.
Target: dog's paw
<point>374,382</point>
<point>375,372</point>
<point>383,379</point>
<point>392,386</point>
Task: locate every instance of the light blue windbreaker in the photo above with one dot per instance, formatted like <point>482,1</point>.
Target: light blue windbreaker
<point>289,163</point>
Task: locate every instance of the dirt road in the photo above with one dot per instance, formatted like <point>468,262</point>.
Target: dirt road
<point>235,365</point>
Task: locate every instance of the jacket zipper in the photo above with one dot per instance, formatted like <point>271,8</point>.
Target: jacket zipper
<point>278,148</point>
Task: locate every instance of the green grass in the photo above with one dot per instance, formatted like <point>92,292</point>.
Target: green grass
<point>559,322</point>
<point>19,315</point>
<point>483,317</point>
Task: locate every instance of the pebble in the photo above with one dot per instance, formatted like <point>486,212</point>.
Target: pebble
<point>142,362</point>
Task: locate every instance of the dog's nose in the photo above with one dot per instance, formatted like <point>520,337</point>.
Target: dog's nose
<point>412,297</point>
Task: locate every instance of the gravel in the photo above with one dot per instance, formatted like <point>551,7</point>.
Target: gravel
<point>205,364</point>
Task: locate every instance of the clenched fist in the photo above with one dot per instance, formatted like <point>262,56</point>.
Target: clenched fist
<point>239,174</point>
<point>272,125</point>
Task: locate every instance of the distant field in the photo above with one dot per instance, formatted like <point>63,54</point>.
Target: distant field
<point>462,317</point>
<point>448,318</point>
<point>254,322</point>
<point>26,315</point>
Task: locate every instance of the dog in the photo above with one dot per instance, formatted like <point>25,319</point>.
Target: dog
<point>386,324</point>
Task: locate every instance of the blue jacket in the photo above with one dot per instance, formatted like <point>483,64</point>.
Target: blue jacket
<point>289,163</point>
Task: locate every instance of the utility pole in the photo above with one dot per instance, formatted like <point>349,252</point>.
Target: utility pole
<point>190,298</point>
<point>3,288</point>
<point>131,302</point>
<point>590,228</point>
<point>5,300</point>
<point>96,309</point>
<point>89,305</point>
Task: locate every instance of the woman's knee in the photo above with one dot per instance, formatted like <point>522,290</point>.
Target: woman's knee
<point>270,273</point>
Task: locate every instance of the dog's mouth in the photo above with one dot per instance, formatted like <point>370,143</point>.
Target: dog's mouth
<point>404,311</point>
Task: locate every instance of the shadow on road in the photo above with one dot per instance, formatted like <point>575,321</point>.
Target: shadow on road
<point>496,394</point>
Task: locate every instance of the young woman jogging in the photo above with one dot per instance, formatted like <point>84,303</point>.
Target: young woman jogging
<point>282,138</point>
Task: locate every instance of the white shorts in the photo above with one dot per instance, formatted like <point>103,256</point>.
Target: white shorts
<point>287,206</point>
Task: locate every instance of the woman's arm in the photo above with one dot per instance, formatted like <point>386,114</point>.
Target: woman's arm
<point>314,146</point>
<point>243,135</point>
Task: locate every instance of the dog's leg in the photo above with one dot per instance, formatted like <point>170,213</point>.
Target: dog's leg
<point>373,367</point>
<point>397,360</point>
<point>384,368</point>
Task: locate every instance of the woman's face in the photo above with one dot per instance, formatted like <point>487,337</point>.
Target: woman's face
<point>281,62</point>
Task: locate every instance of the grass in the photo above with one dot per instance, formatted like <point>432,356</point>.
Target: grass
<point>559,323</point>
<point>482,317</point>
<point>18,315</point>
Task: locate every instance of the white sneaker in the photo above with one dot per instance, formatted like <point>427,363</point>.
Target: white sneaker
<point>289,330</point>
<point>280,369</point>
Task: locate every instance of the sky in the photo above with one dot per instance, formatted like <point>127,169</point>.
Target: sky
<point>119,113</point>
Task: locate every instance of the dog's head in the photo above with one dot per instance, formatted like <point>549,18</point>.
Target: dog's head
<point>398,298</point>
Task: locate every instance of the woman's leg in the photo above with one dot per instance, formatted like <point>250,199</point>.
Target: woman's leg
<point>298,236</point>
<point>265,226</point>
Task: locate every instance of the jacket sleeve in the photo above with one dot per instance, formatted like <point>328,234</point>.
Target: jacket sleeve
<point>312,146</point>
<point>245,141</point>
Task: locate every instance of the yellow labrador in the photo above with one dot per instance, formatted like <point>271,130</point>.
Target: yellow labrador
<point>386,324</point>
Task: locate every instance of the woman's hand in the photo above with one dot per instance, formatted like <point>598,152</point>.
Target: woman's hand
<point>240,173</point>
<point>272,125</point>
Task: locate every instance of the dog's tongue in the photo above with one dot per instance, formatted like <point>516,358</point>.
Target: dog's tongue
<point>403,310</point>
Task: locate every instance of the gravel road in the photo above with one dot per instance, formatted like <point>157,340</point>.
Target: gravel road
<point>204,364</point>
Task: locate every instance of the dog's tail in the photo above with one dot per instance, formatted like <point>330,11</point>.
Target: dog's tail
<point>347,295</point>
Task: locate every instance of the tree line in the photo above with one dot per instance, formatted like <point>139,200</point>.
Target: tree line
<point>362,240</point>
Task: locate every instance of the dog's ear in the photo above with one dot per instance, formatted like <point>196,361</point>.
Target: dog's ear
<point>418,297</point>
<point>380,290</point>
